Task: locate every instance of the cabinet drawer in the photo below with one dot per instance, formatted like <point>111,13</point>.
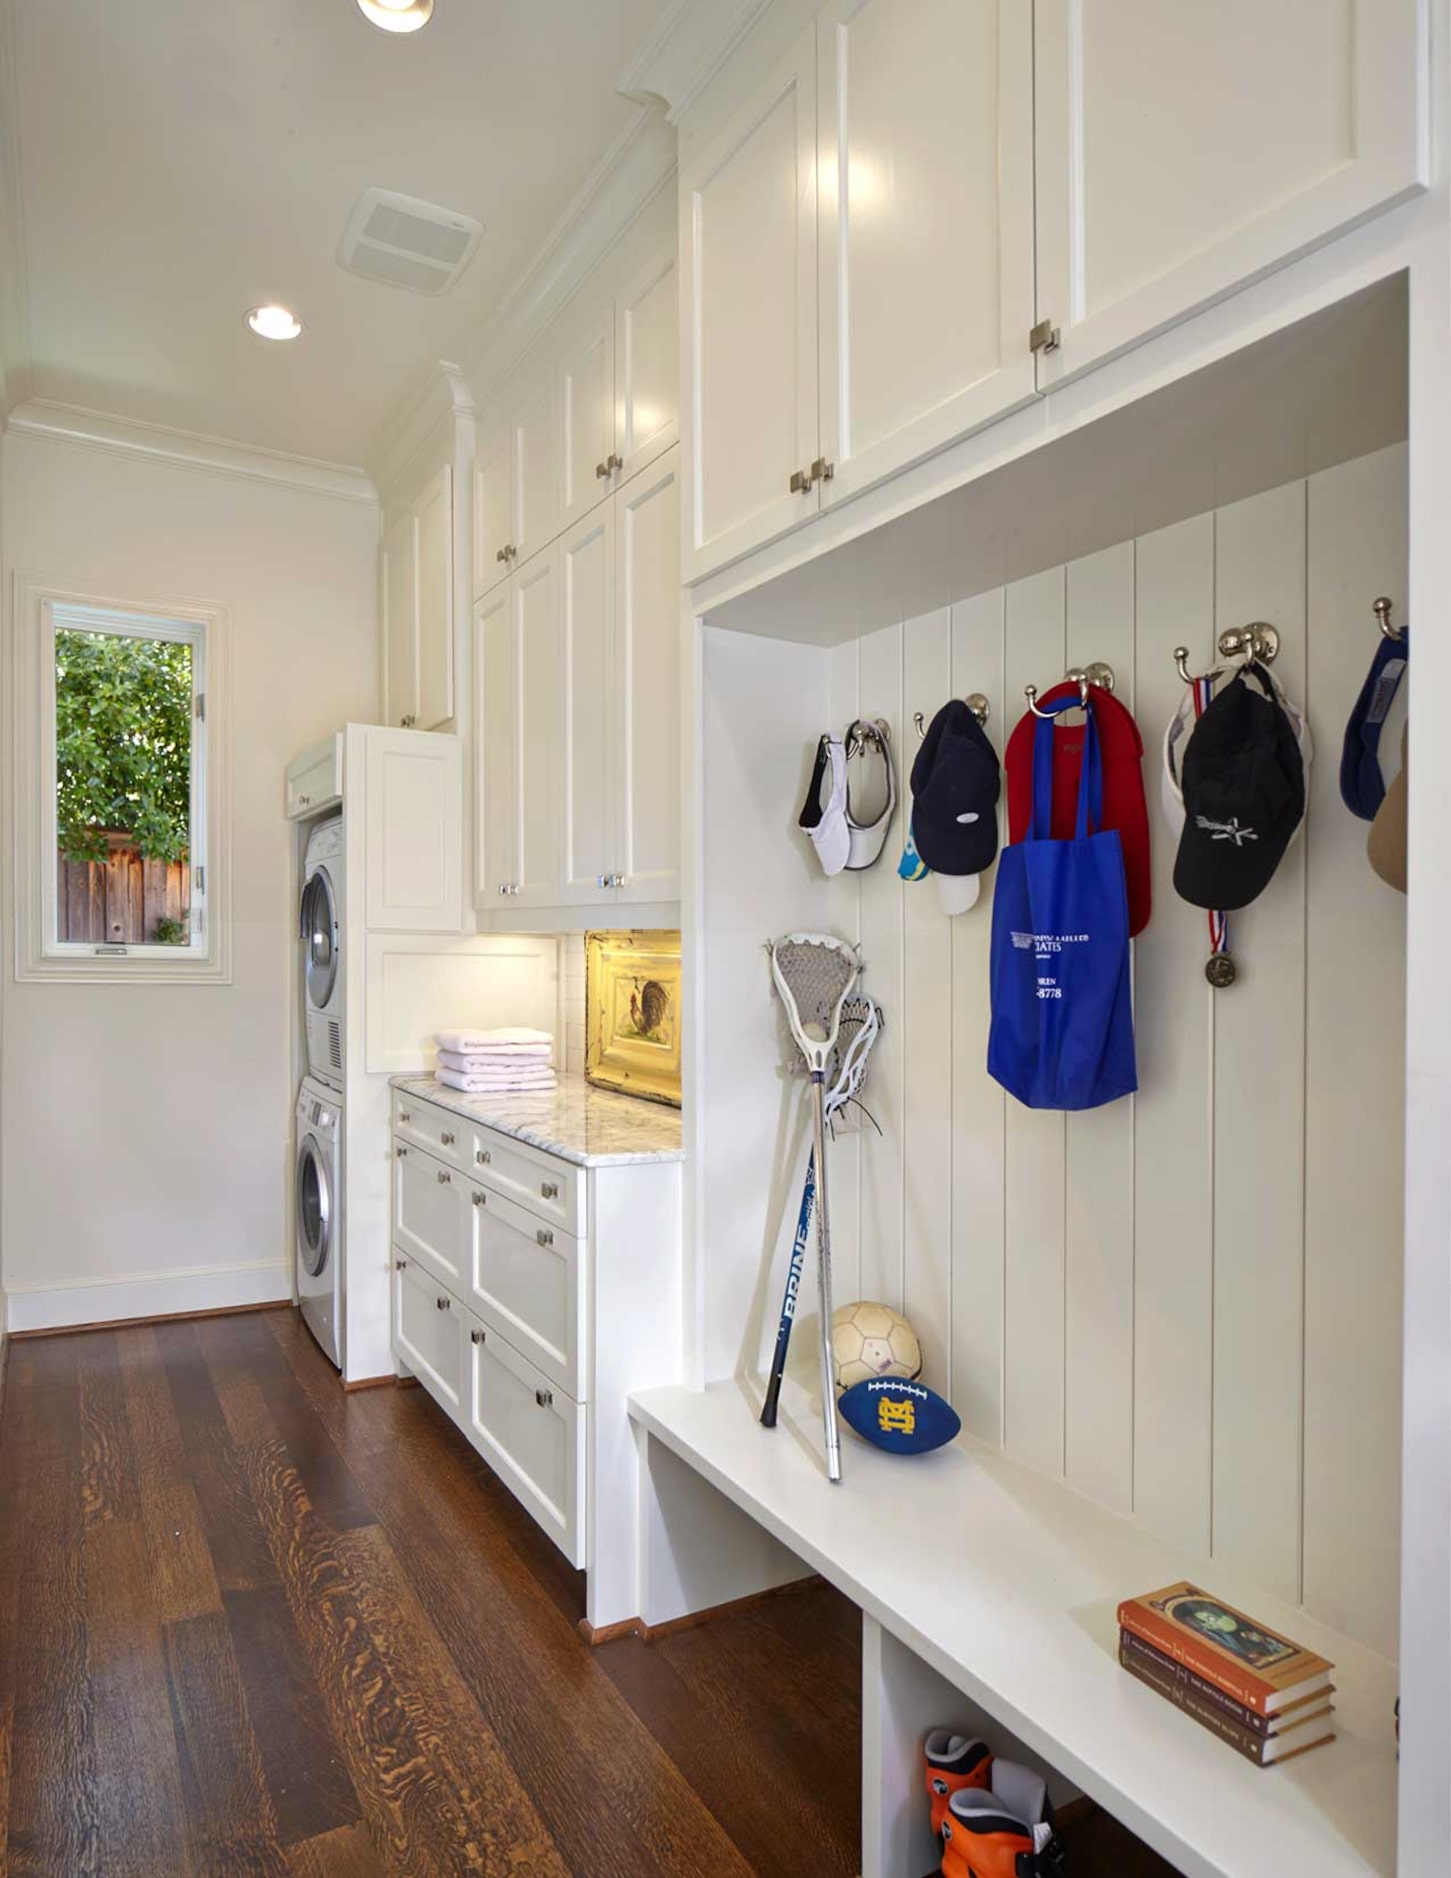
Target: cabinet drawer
<point>554,1190</point>
<point>530,1432</point>
<point>426,1125</point>
<point>430,1215</point>
<point>428,1331</point>
<point>315,780</point>
<point>526,1280</point>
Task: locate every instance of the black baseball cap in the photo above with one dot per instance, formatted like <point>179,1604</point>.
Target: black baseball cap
<point>1244,795</point>
<point>956,781</point>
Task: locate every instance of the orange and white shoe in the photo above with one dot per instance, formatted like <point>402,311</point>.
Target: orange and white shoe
<point>1003,1831</point>
<point>954,1763</point>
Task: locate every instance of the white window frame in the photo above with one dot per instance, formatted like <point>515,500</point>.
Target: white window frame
<point>38,613</point>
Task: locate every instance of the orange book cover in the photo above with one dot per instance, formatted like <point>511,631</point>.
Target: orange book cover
<point>1256,1666</point>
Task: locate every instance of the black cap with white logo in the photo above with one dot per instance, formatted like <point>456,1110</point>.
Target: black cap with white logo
<point>1244,795</point>
<point>956,780</point>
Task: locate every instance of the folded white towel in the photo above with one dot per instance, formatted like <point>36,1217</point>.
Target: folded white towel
<point>487,1063</point>
<point>510,1038</point>
<point>493,1085</point>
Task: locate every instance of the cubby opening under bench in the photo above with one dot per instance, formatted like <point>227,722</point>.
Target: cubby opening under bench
<point>535,1260</point>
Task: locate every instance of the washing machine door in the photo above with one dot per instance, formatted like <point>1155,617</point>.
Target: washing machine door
<point>319,939</point>
<point>314,1208</point>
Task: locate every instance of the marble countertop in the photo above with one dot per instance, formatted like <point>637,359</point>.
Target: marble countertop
<point>591,1127</point>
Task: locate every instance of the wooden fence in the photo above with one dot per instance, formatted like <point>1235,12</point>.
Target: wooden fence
<point>118,901</point>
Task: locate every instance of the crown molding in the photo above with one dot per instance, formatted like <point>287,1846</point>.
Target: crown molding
<point>16,373</point>
<point>689,45</point>
<point>443,397</point>
<point>637,165</point>
<point>119,436</point>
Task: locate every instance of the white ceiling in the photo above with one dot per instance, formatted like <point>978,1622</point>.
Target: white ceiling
<point>183,160</point>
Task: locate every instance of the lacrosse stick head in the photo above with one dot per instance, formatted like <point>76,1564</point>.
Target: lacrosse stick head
<point>813,973</point>
<point>856,1032</point>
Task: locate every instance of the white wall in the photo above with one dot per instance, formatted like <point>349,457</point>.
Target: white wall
<point>1186,1305</point>
<point>145,1132</point>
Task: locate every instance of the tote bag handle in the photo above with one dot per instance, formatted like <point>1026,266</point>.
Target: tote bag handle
<point>1090,780</point>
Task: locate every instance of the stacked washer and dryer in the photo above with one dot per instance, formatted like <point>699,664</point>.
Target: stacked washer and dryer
<point>319,1133</point>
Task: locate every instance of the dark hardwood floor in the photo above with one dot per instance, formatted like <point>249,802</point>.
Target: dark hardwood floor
<point>251,1627</point>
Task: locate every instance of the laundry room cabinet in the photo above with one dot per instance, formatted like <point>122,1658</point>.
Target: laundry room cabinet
<point>578,668</point>
<point>417,608</point>
<point>931,211</point>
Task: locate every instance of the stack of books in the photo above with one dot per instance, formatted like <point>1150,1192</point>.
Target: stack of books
<point>1260,1693</point>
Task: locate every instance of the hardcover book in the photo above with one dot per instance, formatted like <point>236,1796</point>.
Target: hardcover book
<point>1262,1725</point>
<point>1256,1666</point>
<point>1312,1730</point>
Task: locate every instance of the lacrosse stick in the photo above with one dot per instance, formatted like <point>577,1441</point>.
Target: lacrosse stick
<point>813,974</point>
<point>861,1019</point>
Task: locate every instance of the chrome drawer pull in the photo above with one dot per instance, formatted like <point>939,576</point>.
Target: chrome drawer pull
<point>482,1156</point>
<point>446,1139</point>
<point>476,1336</point>
<point>549,1189</point>
<point>480,1199</point>
<point>544,1238</point>
<point>442,1303</point>
<point>544,1397</point>
<point>444,1179</point>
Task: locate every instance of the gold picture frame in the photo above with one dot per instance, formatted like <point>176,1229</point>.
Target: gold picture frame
<point>632,1013</point>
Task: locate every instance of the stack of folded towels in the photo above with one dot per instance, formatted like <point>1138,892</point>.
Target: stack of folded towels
<point>479,1062</point>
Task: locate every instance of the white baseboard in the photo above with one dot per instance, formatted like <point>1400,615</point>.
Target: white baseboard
<point>149,1294</point>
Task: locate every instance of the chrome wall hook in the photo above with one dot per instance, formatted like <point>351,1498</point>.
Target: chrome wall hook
<point>1382,611</point>
<point>975,701</point>
<point>1258,641</point>
<point>1181,660</point>
<point>1084,676</point>
<point>1030,692</point>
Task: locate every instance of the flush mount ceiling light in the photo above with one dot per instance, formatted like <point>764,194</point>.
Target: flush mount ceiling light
<point>274,322</point>
<point>397,16</point>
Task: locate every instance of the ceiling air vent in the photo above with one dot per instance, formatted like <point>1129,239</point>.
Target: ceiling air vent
<point>408,243</point>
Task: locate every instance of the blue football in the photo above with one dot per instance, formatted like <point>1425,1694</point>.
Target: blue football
<point>900,1415</point>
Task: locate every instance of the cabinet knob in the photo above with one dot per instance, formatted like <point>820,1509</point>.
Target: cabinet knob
<point>302,801</point>
<point>549,1189</point>
<point>482,1156</point>
<point>476,1336</point>
<point>404,1117</point>
<point>407,722</point>
<point>544,1236</point>
<point>400,1265</point>
<point>544,1397</point>
<point>617,880</point>
<point>1045,337</point>
<point>602,880</point>
<point>444,1179</point>
<point>822,471</point>
<point>801,481</point>
<point>401,1153</point>
<point>614,461</point>
<point>446,1139</point>
<point>480,1199</point>
<point>442,1303</point>
<point>602,469</point>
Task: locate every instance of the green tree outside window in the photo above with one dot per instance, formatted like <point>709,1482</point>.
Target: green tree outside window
<point>123,744</point>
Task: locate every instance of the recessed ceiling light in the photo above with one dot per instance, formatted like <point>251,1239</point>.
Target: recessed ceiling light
<point>274,322</point>
<point>398,16</point>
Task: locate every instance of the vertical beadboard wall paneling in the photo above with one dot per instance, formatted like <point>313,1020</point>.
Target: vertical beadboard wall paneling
<point>883,949</point>
<point>979,1105</point>
<point>927,1200</point>
<point>844,901</point>
<point>1035,1151</point>
<point>1098,1378</point>
<point>1259,1115</point>
<point>1355,1072</point>
<point>1174,1109</point>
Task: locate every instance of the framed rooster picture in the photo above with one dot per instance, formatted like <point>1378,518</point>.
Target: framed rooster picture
<point>632,1013</point>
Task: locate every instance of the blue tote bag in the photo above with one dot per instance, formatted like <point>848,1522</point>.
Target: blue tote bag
<point>1062,1014</point>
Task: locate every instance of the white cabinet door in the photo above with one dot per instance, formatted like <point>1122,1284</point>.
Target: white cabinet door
<point>428,1331</point>
<point>529,1431</point>
<point>413,859</point>
<point>492,510</point>
<point>586,400</point>
<point>433,545</point>
<point>430,1209</point>
<point>526,1279</point>
<point>925,210</point>
<point>495,757</point>
<point>748,235</point>
<point>646,684</point>
<point>534,470</point>
<point>400,623</point>
<point>647,366</point>
<point>538,731</point>
<point>1183,149</point>
<point>586,610</point>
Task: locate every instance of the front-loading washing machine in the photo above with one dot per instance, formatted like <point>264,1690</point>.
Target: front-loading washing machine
<point>324,950</point>
<point>319,1208</point>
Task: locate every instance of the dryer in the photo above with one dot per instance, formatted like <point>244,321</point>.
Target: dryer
<point>318,1194</point>
<point>324,950</point>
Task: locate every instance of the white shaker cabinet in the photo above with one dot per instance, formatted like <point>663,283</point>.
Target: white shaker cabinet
<point>1183,149</point>
<point>417,584</point>
<point>411,785</point>
<point>647,367</point>
<point>645,686</point>
<point>586,606</point>
<point>538,720</point>
<point>588,460</point>
<point>493,507</point>
<point>748,245</point>
<point>534,468</point>
<point>925,206</point>
<point>495,855</point>
<point>399,573</point>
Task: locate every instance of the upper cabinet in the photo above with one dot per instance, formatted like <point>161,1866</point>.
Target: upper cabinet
<point>1184,149</point>
<point>516,497</point>
<point>412,793</point>
<point>587,421</point>
<point>932,211</point>
<point>417,596</point>
<point>647,367</point>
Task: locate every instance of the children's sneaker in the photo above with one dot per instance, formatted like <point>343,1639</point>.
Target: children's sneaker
<point>954,1763</point>
<point>1005,1831</point>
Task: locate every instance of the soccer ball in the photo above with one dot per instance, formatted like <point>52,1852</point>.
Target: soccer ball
<point>873,1340</point>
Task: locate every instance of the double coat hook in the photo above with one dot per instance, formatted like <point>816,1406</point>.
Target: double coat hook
<point>1084,676</point>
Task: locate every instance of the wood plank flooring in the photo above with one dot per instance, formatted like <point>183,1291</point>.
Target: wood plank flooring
<point>252,1627</point>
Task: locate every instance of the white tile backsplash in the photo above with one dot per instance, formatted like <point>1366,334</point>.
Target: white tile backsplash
<point>571,946</point>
